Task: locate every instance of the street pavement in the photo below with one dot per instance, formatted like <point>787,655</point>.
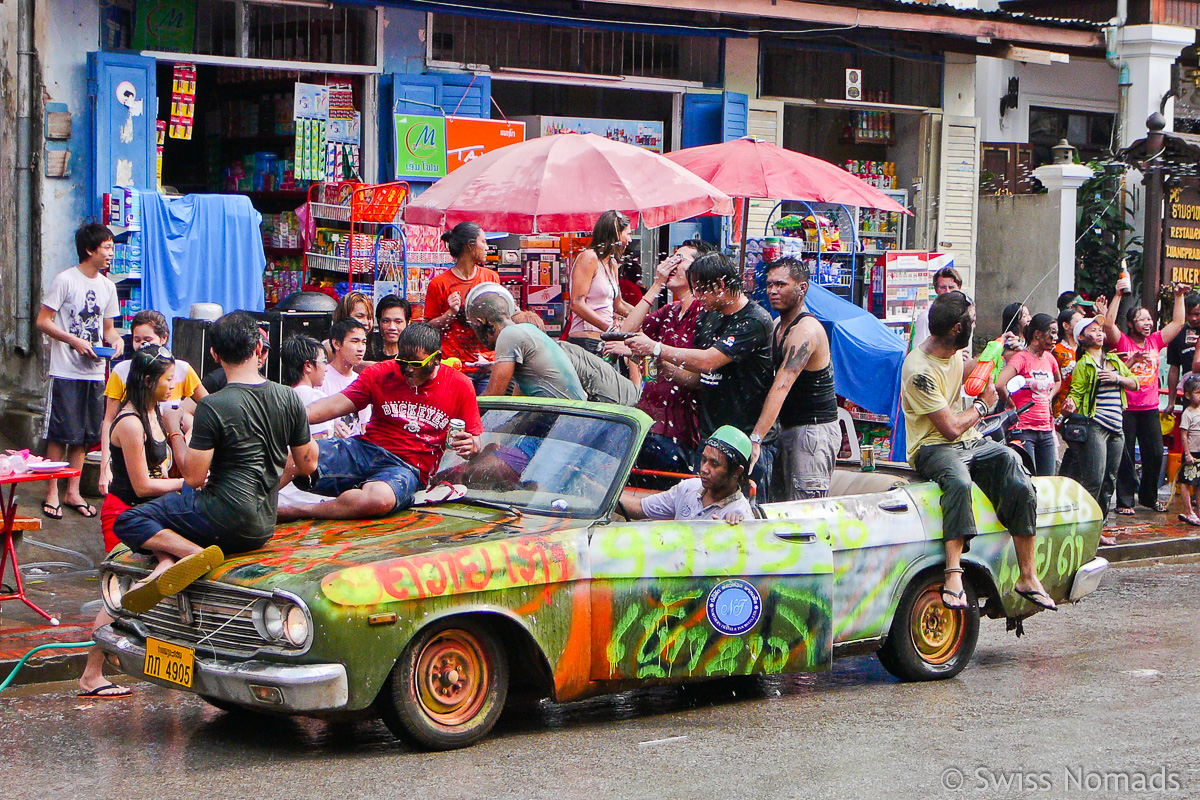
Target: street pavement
<point>1097,700</point>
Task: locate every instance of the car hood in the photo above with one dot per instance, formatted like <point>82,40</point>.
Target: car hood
<point>446,549</point>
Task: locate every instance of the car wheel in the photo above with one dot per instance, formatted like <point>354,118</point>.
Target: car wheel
<point>448,688</point>
<point>928,641</point>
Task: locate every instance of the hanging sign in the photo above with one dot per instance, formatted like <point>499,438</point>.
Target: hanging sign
<point>165,25</point>
<point>467,138</point>
<point>420,149</point>
<point>183,101</point>
<point>1181,230</point>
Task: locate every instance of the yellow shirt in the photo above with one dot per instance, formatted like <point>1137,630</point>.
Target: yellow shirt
<point>186,381</point>
<point>927,385</point>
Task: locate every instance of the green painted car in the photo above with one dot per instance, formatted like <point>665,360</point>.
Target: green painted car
<point>529,585</point>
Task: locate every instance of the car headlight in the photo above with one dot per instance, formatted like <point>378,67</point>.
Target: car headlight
<point>280,620</point>
<point>273,617</point>
<point>114,588</point>
<point>295,626</point>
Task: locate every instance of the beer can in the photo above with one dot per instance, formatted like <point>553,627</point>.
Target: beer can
<point>456,426</point>
<point>868,458</point>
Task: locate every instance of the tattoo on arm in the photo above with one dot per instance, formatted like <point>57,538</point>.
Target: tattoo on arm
<point>796,357</point>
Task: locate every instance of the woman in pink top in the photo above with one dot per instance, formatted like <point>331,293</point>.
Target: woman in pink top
<point>595,292</point>
<point>1141,350</point>
<point>1038,366</point>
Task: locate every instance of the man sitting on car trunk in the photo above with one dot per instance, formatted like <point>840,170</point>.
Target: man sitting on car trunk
<point>944,447</point>
<point>715,495</point>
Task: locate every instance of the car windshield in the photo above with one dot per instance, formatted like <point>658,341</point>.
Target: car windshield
<point>545,462</point>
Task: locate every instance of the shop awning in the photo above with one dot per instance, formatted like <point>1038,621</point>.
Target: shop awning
<point>867,357</point>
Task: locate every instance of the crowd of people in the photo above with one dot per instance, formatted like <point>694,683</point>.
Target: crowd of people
<point>196,470</point>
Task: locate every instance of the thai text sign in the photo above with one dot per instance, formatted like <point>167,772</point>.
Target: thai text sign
<point>467,138</point>
<point>420,148</point>
<point>1182,234</point>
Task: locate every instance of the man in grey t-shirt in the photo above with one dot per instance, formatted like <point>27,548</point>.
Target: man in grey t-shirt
<point>523,353</point>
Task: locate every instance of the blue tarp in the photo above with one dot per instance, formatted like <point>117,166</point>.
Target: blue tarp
<point>867,357</point>
<point>202,248</point>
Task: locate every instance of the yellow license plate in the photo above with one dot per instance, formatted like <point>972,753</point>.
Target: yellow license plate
<point>170,662</point>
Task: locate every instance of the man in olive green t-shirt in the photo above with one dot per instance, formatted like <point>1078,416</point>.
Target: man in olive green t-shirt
<point>944,447</point>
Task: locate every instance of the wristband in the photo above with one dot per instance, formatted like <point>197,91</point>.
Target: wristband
<point>980,408</point>
<point>657,352</point>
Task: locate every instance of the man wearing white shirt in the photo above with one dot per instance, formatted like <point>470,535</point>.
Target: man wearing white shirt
<point>304,366</point>
<point>945,280</point>
<point>348,338</point>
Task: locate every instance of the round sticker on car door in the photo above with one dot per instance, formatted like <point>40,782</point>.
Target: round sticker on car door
<point>734,607</point>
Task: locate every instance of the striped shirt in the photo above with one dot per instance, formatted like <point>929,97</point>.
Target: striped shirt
<point>1108,406</point>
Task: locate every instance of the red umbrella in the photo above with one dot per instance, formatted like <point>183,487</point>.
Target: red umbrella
<point>563,183</point>
<point>750,168</point>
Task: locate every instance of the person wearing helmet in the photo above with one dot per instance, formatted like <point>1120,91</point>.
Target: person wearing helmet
<point>715,495</point>
<point>523,353</point>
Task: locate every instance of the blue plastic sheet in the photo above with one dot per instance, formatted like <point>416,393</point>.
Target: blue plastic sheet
<point>201,248</point>
<point>867,357</point>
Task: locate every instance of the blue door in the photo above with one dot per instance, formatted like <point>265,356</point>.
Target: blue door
<point>124,104</point>
<point>711,118</point>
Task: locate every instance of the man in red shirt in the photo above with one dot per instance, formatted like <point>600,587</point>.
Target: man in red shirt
<point>413,399</point>
<point>448,292</point>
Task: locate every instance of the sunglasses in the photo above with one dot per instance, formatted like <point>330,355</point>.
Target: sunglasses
<point>157,352</point>
<point>422,364</point>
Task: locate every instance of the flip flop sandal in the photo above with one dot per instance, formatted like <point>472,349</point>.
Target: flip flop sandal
<point>189,569</point>
<point>52,512</point>
<point>1126,512</point>
<point>85,510</point>
<point>958,595</point>
<point>1034,596</point>
<point>99,692</point>
<point>1160,507</point>
<point>141,599</point>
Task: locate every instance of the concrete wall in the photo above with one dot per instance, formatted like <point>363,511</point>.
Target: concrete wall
<point>1018,246</point>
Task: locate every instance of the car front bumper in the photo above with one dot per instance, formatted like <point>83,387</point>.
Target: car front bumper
<point>280,687</point>
<point>1087,579</point>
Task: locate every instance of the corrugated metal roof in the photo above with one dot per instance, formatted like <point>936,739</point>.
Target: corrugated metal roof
<point>952,9</point>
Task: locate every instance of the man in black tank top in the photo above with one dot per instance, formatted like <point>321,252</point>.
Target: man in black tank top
<point>801,399</point>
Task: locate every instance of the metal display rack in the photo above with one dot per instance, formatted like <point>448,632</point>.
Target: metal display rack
<point>369,237</point>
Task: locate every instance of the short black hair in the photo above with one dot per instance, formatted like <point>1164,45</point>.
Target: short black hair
<point>390,301</point>
<point>339,330</point>
<point>1191,301</point>
<point>701,247</point>
<point>715,268</point>
<point>294,353</point>
<point>1067,298</point>
<point>420,336</point>
<point>1038,323</point>
<point>90,236</point>
<point>946,311</point>
<point>795,267</point>
<point>234,337</point>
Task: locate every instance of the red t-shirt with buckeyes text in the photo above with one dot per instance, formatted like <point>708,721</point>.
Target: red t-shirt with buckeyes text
<point>411,423</point>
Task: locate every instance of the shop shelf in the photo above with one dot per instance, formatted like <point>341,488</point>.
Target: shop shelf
<point>327,262</point>
<point>330,211</point>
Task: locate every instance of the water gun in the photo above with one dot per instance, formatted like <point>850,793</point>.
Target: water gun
<point>987,368</point>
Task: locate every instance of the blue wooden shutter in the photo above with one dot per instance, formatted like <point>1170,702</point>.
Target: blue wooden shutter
<point>701,120</point>
<point>465,95</point>
<point>123,143</point>
<point>735,111</point>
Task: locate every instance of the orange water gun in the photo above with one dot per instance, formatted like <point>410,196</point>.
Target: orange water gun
<point>987,368</point>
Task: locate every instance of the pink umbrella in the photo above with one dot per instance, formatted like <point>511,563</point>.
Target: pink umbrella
<point>563,183</point>
<point>750,168</point>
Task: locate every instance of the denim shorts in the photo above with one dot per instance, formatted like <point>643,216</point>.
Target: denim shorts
<point>346,464</point>
<point>180,512</point>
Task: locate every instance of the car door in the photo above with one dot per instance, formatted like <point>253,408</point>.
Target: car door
<point>675,600</point>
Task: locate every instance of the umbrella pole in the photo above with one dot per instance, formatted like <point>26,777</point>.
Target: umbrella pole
<point>745,228</point>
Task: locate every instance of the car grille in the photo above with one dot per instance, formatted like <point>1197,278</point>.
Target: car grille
<point>220,621</point>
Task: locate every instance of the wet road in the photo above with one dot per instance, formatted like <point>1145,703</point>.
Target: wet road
<point>1092,700</point>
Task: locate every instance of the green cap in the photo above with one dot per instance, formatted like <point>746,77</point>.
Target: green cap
<point>732,442</point>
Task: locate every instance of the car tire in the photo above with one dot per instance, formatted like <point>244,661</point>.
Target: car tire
<point>448,687</point>
<point>928,641</point>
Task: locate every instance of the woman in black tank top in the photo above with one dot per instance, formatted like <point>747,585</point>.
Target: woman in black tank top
<point>139,451</point>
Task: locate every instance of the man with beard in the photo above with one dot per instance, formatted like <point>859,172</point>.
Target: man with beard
<point>944,447</point>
